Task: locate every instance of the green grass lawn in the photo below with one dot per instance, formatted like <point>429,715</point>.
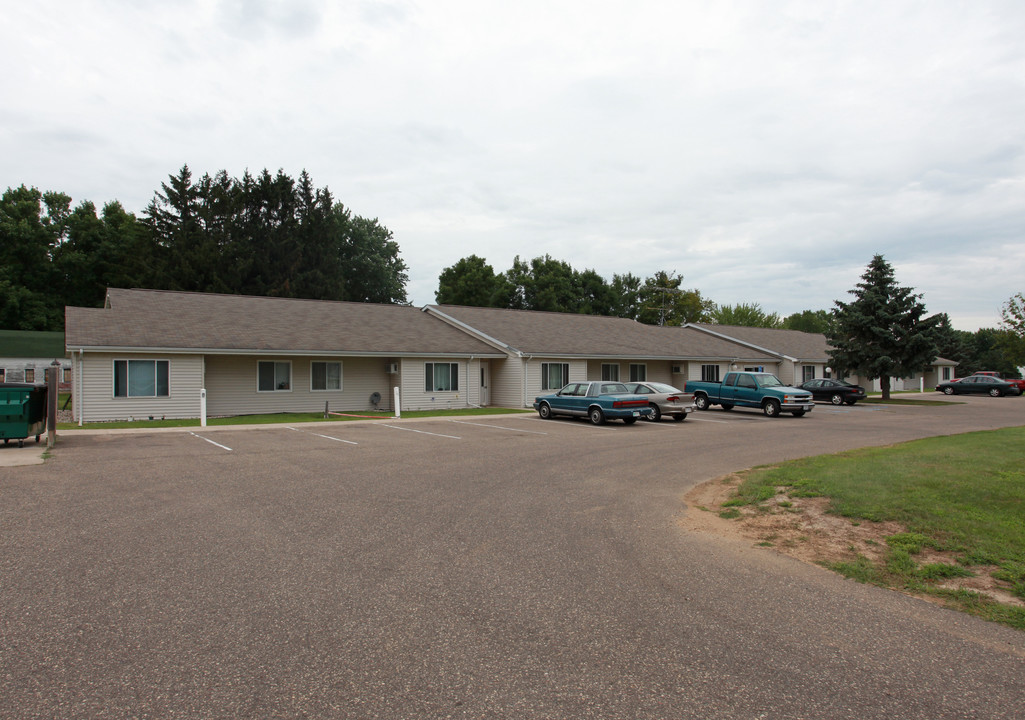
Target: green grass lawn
<point>287,418</point>
<point>963,495</point>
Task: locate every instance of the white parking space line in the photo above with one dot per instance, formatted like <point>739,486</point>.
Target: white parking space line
<point>326,437</point>
<point>498,427</point>
<point>223,447</point>
<point>422,432</point>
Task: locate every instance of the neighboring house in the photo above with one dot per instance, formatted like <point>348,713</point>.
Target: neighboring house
<point>25,355</point>
<point>805,356</point>
<point>545,350</point>
<point>150,353</point>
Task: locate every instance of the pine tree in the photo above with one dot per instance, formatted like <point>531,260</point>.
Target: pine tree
<point>883,333</point>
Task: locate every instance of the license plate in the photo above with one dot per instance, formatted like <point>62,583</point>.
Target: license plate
<point>637,413</point>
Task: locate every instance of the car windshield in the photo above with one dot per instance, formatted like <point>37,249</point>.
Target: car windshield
<point>663,388</point>
<point>766,380</point>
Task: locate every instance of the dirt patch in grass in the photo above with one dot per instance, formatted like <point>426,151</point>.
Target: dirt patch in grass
<point>802,528</point>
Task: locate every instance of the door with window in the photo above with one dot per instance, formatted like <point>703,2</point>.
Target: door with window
<point>485,383</point>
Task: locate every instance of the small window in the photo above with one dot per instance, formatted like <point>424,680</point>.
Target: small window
<point>66,373</point>
<point>441,377</point>
<point>710,373</point>
<point>554,375</point>
<point>946,373</point>
<point>610,371</point>
<point>3,375</point>
<point>808,372</point>
<point>141,378</point>
<point>638,372</point>
<point>325,376</point>
<point>30,375</point>
<point>274,376</point>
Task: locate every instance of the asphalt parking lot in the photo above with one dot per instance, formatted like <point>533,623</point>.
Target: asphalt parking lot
<point>491,567</point>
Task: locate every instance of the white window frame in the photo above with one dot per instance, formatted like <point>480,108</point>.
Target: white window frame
<point>128,371</point>
<point>430,375</point>
<point>30,375</point>
<point>546,372</point>
<point>638,372</point>
<point>610,372</point>
<point>710,373</point>
<point>275,363</point>
<point>325,363</point>
<point>807,373</point>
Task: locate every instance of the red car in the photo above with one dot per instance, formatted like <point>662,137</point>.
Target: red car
<point>1017,382</point>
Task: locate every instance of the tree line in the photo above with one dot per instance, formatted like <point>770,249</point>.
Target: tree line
<point>264,234</point>
<point>547,284</point>
<point>272,235</point>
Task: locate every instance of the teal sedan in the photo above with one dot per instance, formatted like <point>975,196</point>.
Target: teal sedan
<point>597,401</point>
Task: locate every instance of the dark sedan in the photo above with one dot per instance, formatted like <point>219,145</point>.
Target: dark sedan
<point>837,392</point>
<point>985,384</point>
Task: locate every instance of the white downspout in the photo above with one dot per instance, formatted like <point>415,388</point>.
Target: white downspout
<point>80,387</point>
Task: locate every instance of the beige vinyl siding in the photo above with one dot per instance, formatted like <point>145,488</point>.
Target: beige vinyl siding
<point>231,385</point>
<point>507,383</point>
<point>577,373</point>
<point>657,370</point>
<point>416,397</point>
<point>97,402</point>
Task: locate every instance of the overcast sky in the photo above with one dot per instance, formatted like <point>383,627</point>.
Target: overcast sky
<point>765,150</point>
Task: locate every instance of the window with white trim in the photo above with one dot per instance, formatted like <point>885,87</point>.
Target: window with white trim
<point>441,377</point>
<point>808,373</point>
<point>638,372</point>
<point>30,375</point>
<point>274,376</point>
<point>142,378</point>
<point>946,373</point>
<point>325,375</point>
<point>554,375</point>
<point>610,372</point>
<point>710,373</point>
<point>66,372</point>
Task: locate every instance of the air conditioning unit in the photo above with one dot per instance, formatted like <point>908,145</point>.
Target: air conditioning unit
<point>391,368</point>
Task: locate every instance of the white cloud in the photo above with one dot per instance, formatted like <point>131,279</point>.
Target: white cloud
<point>763,150</point>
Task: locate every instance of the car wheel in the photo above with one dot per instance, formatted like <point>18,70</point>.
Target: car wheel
<point>771,408</point>
<point>680,418</point>
<point>545,411</point>
<point>798,413</point>
<point>656,414</point>
<point>995,392</point>
<point>837,399</point>
<point>948,391</point>
<point>701,402</point>
<point>596,416</point>
<point>727,407</point>
<point>629,421</point>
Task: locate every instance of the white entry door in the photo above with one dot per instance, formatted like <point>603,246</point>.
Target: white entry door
<point>485,382</point>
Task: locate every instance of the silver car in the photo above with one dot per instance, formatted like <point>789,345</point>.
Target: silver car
<point>664,399</point>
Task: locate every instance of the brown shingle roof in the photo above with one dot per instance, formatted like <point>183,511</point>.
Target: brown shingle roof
<point>200,321</point>
<point>793,343</point>
<point>556,334</point>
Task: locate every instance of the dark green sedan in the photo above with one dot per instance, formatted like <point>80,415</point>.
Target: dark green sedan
<point>982,384</point>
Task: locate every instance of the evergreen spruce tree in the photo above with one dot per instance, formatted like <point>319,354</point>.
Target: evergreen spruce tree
<point>883,333</point>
